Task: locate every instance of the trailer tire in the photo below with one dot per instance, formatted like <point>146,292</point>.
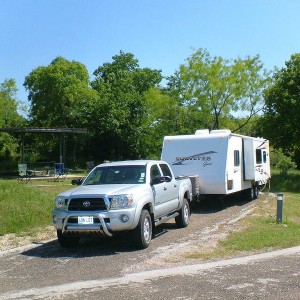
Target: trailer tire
<point>67,241</point>
<point>183,219</point>
<point>142,234</point>
<point>252,193</point>
<point>255,192</point>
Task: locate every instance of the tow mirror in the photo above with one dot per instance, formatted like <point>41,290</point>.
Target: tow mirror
<point>77,181</point>
<point>160,179</point>
<point>166,179</point>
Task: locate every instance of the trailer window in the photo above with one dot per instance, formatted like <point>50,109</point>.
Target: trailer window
<point>258,156</point>
<point>166,170</point>
<point>236,158</point>
<point>264,156</point>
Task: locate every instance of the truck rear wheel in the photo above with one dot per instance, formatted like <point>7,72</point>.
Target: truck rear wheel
<point>142,234</point>
<point>183,219</point>
<point>67,241</point>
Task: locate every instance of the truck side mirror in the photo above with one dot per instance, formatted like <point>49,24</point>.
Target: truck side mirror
<point>160,179</point>
<point>77,181</point>
<point>155,180</point>
<point>166,179</point>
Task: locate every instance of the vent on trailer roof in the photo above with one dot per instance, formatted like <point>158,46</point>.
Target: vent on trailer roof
<point>202,132</point>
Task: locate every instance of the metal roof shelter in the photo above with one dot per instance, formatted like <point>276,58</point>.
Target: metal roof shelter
<point>61,131</point>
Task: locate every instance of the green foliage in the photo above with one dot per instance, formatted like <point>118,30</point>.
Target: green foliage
<point>56,92</point>
<point>282,110</point>
<point>60,96</point>
<point>9,117</point>
<point>285,182</point>
<point>280,161</point>
<point>120,114</point>
<point>217,87</point>
<point>127,114</point>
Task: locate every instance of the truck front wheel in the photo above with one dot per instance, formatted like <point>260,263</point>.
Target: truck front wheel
<point>142,234</point>
<point>67,241</point>
<point>183,219</point>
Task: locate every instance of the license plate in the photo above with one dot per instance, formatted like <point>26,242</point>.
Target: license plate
<point>86,220</point>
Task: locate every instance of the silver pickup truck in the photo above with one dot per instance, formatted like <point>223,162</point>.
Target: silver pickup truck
<point>130,196</point>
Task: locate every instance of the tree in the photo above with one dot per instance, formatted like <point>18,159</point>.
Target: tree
<point>56,92</point>
<point>60,95</point>
<point>121,85</point>
<point>9,117</point>
<point>282,111</point>
<point>216,88</point>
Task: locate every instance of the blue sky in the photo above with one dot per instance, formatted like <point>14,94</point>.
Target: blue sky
<point>160,33</point>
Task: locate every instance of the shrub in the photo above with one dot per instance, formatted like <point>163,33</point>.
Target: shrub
<point>281,161</point>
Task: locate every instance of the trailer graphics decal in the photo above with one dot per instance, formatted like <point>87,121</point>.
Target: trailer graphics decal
<point>204,157</point>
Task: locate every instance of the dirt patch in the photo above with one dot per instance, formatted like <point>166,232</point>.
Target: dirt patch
<point>10,241</point>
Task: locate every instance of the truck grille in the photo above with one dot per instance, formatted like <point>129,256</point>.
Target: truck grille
<point>87,204</point>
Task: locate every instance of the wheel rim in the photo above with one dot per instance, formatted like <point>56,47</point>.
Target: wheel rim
<point>186,213</point>
<point>147,230</point>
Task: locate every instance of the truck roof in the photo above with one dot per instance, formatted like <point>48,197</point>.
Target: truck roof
<point>129,163</point>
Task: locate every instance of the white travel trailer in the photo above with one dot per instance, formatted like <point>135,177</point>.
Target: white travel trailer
<point>224,162</point>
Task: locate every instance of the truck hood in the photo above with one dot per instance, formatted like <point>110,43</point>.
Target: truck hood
<point>107,189</point>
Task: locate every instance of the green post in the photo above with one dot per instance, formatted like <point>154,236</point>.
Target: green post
<point>279,208</point>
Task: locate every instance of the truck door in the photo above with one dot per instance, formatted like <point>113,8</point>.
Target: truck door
<point>172,186</point>
<point>161,193</point>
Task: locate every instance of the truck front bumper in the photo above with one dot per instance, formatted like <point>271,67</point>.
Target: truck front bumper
<point>105,222</point>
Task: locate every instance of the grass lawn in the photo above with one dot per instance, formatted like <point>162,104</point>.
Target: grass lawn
<point>25,207</point>
<point>260,230</point>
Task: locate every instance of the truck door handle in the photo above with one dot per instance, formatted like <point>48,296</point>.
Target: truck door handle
<point>165,188</point>
<point>175,185</point>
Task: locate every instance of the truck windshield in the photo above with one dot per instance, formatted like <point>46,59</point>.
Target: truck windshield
<point>117,175</point>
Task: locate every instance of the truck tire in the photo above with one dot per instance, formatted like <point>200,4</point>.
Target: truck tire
<point>67,241</point>
<point>183,219</point>
<point>142,234</point>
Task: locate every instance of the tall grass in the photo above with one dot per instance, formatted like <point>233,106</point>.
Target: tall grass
<point>285,182</point>
<point>27,206</point>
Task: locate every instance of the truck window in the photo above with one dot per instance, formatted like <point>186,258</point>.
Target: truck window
<point>154,171</point>
<point>126,174</point>
<point>165,170</point>
<point>236,158</point>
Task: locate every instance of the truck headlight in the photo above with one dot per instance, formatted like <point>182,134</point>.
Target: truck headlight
<point>60,202</point>
<point>121,201</point>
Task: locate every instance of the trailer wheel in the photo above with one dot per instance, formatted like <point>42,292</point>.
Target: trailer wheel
<point>183,219</point>
<point>142,234</point>
<point>249,194</point>
<point>252,193</point>
<point>67,241</point>
<point>255,192</point>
